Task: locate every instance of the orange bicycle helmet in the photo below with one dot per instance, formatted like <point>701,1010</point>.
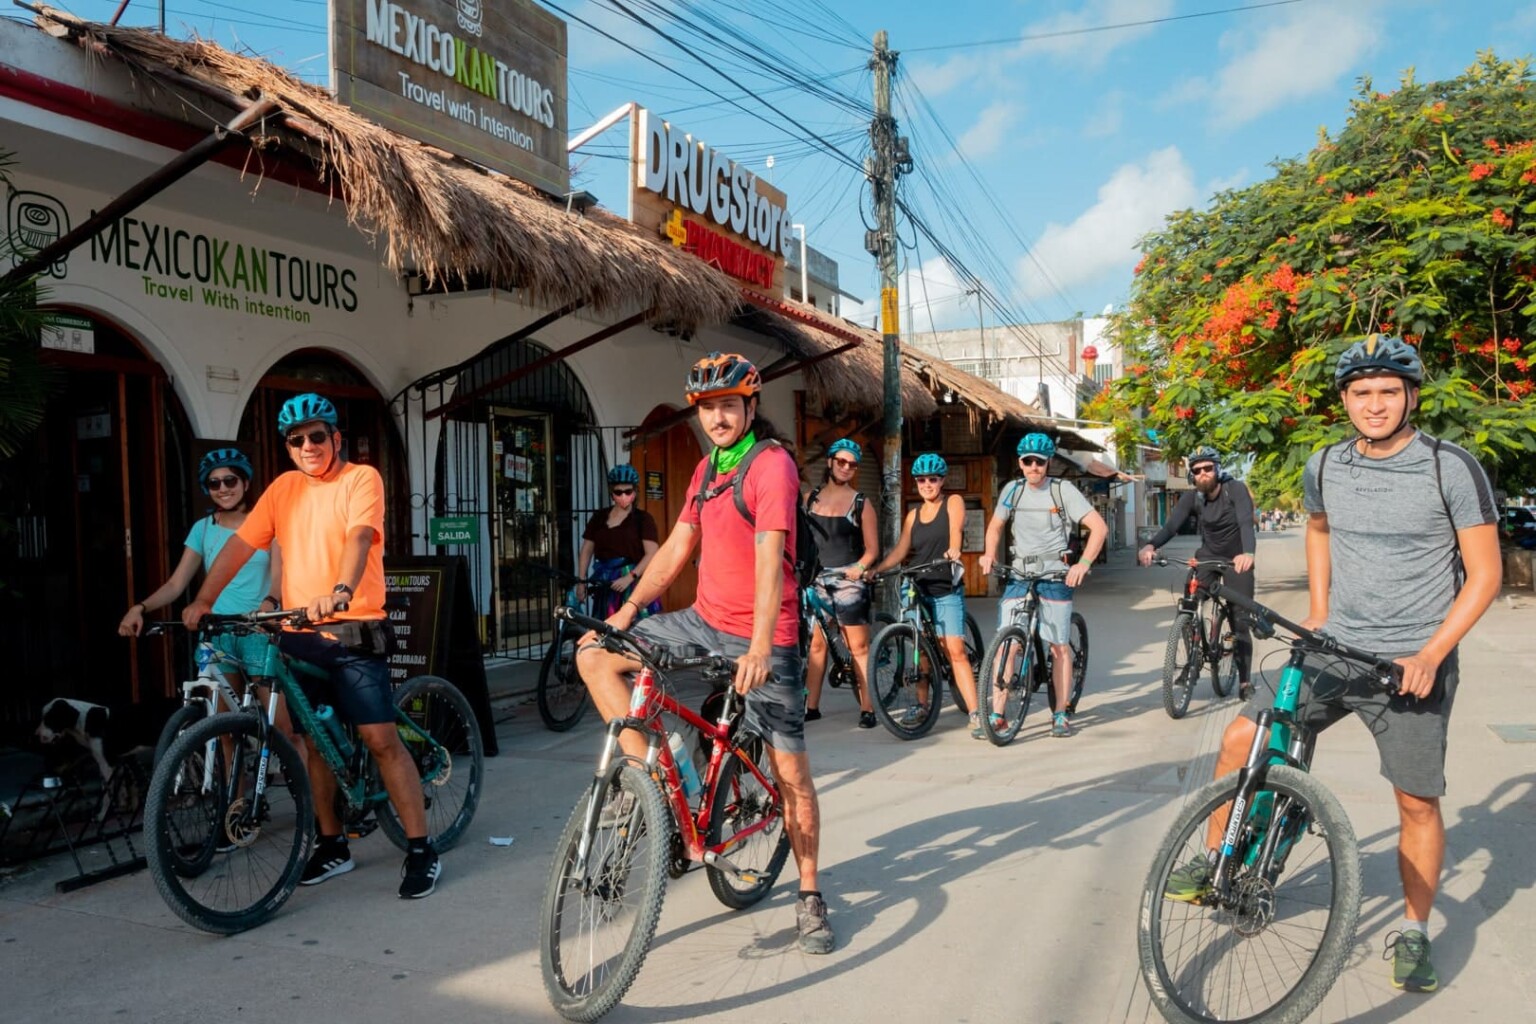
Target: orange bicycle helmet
<point>722,373</point>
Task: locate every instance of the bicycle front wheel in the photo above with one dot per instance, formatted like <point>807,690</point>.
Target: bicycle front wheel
<point>562,696</point>
<point>444,742</point>
<point>904,680</point>
<point>1224,657</point>
<point>598,923</point>
<point>746,826</point>
<point>1181,665</point>
<point>1079,660</point>
<point>224,859</point>
<point>1003,685</point>
<point>1273,947</point>
<point>184,718</point>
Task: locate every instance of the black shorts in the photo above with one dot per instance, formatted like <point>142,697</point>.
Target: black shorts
<point>358,687</point>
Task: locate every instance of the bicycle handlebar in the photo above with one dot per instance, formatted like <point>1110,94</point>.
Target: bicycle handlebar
<point>1200,563</point>
<point>1008,572</point>
<point>1389,674</point>
<point>909,570</point>
<point>657,657</point>
<point>240,622</point>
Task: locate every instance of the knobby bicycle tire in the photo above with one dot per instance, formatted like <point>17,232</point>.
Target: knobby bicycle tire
<point>183,719</point>
<point>1203,964</point>
<point>586,973</point>
<point>895,679</point>
<point>213,878</point>
<point>562,696</point>
<point>452,772</point>
<point>1181,665</point>
<point>1009,660</point>
<point>1224,652</point>
<point>741,801</point>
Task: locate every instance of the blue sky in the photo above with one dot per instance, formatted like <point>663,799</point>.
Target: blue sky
<point>1071,142</point>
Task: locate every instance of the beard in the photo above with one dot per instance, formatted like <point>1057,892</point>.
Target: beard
<point>1207,484</point>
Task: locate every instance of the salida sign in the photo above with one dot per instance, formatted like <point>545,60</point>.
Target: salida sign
<point>708,204</point>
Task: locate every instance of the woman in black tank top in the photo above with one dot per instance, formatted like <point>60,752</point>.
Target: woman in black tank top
<point>932,532</point>
<point>847,539</point>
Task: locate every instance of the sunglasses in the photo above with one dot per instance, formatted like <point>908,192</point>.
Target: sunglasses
<point>1034,460</point>
<point>846,463</point>
<point>314,437</point>
<point>1202,470</point>
<point>619,492</point>
<point>219,483</point>
<point>929,479</point>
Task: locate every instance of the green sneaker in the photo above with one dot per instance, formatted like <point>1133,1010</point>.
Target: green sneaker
<point>1189,883</point>
<point>1411,969</point>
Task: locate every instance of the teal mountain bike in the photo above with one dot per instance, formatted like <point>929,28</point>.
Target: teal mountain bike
<point>908,668</point>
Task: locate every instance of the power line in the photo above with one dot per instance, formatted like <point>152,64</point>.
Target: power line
<point>1014,40</point>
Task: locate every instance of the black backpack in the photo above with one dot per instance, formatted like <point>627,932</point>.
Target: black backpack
<point>807,560</point>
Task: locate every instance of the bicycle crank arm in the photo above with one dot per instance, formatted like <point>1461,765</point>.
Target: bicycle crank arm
<point>721,861</point>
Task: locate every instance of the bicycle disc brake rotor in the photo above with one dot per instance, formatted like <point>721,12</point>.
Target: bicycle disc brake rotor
<point>240,830</point>
<point>1253,905</point>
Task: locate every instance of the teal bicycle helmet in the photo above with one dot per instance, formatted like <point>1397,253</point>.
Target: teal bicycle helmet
<point>929,464</point>
<point>624,473</point>
<point>228,458</point>
<point>846,445</point>
<point>305,408</point>
<point>1379,354</point>
<point>1037,444</point>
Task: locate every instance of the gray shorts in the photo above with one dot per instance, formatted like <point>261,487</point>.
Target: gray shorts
<point>1410,734</point>
<point>776,710</point>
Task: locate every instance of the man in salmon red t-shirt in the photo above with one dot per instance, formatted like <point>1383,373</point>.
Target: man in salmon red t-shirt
<point>327,515</point>
<point>745,608</point>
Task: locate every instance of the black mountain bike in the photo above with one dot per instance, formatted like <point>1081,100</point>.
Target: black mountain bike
<point>1203,636</point>
<point>1019,662</point>
<point>562,696</point>
<point>816,614</point>
<point>908,667</point>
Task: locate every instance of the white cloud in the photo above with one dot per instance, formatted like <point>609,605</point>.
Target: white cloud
<point>932,299</point>
<point>936,79</point>
<point>1132,202</point>
<point>1093,47</point>
<point>989,131</point>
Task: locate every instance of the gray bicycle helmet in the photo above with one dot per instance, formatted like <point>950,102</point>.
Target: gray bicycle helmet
<point>1379,354</point>
<point>1205,453</point>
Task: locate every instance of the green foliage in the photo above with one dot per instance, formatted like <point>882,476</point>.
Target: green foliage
<point>1419,220</point>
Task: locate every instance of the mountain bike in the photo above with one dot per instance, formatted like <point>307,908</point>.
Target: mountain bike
<point>1019,662</point>
<point>1203,635</point>
<point>817,614</point>
<point>562,696</point>
<point>1262,932</point>
<point>229,813</point>
<point>208,694</point>
<point>637,824</point>
<point>908,667</point>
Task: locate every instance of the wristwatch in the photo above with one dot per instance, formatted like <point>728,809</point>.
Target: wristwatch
<point>342,588</point>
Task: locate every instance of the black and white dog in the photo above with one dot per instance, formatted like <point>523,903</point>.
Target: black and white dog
<point>108,735</point>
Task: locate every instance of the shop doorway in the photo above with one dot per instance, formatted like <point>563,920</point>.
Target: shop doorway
<point>524,524</point>
<point>666,462</point>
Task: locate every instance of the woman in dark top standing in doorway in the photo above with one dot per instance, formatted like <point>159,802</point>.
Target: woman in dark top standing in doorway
<point>932,532</point>
<point>618,543</point>
<point>847,538</point>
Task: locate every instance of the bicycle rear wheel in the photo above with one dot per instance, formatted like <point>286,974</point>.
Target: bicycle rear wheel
<point>562,696</point>
<point>1003,685</point>
<point>904,681</point>
<point>222,864</point>
<point>597,927</point>
<point>1181,665</point>
<point>743,803</point>
<point>451,764</point>
<point>1078,639</point>
<point>1277,946</point>
<point>1224,657</point>
<point>183,719</point>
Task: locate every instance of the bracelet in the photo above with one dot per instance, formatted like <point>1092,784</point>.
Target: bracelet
<point>630,601</point>
<point>141,606</point>
<point>276,603</point>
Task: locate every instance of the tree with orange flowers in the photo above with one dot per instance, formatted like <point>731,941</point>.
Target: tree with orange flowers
<point>1418,219</point>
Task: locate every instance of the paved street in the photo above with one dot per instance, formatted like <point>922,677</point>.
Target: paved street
<point>967,883</point>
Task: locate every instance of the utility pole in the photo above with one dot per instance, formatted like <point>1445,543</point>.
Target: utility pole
<point>889,159</point>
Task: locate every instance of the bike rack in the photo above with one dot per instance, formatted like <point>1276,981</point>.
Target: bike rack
<point>73,811</point>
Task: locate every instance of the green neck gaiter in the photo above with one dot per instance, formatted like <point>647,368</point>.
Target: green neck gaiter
<point>727,459</point>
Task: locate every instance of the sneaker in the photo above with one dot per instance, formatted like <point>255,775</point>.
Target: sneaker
<point>811,921</point>
<point>1190,882</point>
<point>977,732</point>
<point>616,810</point>
<point>328,861</point>
<point>1411,969</point>
<point>813,714</point>
<point>913,715</point>
<point>420,873</point>
<point>1244,690</point>
<point>1061,725</point>
<point>867,720</point>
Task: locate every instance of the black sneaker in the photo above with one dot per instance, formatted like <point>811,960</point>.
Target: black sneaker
<point>811,922</point>
<point>813,714</point>
<point>867,720</point>
<point>328,861</point>
<point>420,872</point>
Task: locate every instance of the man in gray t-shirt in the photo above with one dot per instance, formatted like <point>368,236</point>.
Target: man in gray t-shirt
<point>1402,559</point>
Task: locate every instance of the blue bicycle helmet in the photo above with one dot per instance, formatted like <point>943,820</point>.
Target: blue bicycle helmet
<point>305,408</point>
<point>1037,444</point>
<point>1205,453</point>
<point>624,473</point>
<point>929,464</point>
<point>846,445</point>
<point>1379,354</point>
<point>230,458</point>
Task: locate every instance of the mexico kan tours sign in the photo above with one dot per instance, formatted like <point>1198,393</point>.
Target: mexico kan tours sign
<point>483,79</point>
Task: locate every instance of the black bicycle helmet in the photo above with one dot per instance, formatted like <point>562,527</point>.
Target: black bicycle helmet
<point>1377,354</point>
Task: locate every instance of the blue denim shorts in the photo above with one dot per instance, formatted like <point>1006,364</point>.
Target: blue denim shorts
<point>1055,609</point>
<point>947,612</point>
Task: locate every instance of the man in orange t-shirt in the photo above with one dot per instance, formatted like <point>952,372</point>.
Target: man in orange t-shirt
<point>328,517</point>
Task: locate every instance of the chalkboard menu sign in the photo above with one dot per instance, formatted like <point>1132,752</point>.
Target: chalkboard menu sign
<point>432,611</point>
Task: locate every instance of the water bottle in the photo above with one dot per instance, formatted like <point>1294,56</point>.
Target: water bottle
<point>326,716</point>
<point>685,769</point>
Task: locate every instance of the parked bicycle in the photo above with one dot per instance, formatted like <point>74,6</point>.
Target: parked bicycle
<point>639,822</point>
<point>817,614</point>
<point>562,695</point>
<point>1019,662</point>
<point>1203,636</point>
<point>908,669</point>
<point>228,816</point>
<point>1261,932</point>
<point>208,694</point>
